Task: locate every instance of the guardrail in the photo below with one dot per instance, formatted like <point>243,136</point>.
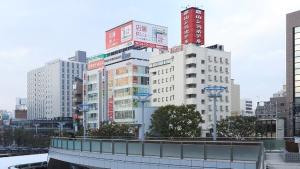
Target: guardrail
<point>215,150</point>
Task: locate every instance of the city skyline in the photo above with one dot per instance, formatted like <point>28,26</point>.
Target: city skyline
<point>42,31</point>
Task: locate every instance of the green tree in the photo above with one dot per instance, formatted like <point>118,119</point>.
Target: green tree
<point>237,126</point>
<point>176,121</point>
<point>109,130</point>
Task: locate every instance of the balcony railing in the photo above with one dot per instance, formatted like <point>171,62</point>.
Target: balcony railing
<point>214,150</point>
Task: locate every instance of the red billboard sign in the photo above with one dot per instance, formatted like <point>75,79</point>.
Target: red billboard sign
<point>95,64</point>
<point>192,26</point>
<point>118,35</point>
<point>137,34</point>
<point>111,109</point>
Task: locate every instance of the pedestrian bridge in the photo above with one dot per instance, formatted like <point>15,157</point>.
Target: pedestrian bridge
<point>157,154</point>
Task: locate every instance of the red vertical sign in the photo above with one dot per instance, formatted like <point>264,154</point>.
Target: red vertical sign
<point>192,26</point>
<point>111,109</point>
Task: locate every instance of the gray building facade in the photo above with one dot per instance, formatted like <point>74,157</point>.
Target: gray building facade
<point>293,72</point>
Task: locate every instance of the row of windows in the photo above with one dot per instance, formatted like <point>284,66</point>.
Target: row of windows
<point>218,80</point>
<point>217,60</point>
<point>127,114</point>
<point>210,108</point>
<point>163,80</point>
<point>164,99</point>
<point>164,89</point>
<point>163,71</point>
<point>221,70</point>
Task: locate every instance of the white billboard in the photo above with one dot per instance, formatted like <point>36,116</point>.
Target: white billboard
<point>150,35</point>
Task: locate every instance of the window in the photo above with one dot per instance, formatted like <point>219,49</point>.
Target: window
<point>191,75</point>
<point>215,59</point>
<point>209,77</point>
<point>221,69</point>
<point>221,60</point>
<point>202,111</point>
<point>154,81</point>
<point>191,96</point>
<point>192,55</point>
<point>191,85</point>
<point>202,81</point>
<point>154,91</point>
<point>226,61</point>
<point>215,78</point>
<point>215,68</point>
<point>209,68</point>
<point>191,65</point>
<point>221,79</point>
<point>202,101</point>
<point>226,79</point>
<point>202,61</point>
<point>203,71</point>
<point>153,73</point>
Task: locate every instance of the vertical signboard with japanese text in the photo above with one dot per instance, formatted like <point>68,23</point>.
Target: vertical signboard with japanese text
<point>192,26</point>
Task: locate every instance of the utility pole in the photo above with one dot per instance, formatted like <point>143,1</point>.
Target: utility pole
<point>143,98</point>
<point>36,128</point>
<point>215,92</point>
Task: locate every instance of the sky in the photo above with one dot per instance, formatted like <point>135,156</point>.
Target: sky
<point>34,32</point>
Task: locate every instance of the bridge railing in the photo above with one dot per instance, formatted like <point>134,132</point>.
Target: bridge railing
<point>216,150</point>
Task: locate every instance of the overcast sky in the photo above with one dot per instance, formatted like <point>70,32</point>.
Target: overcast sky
<point>33,32</point>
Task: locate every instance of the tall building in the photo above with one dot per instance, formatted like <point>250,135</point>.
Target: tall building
<point>21,108</point>
<point>192,26</point>
<point>246,107</point>
<point>293,72</point>
<point>235,99</point>
<point>113,80</point>
<point>49,88</point>
<point>77,102</point>
<point>180,76</point>
<point>94,91</point>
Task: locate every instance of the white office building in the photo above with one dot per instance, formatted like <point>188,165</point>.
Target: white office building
<point>180,76</point>
<point>247,107</point>
<point>113,83</point>
<point>49,88</point>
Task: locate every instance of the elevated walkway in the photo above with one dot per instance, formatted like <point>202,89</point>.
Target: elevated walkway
<point>157,154</point>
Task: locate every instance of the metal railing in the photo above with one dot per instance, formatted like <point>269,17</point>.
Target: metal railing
<point>215,150</point>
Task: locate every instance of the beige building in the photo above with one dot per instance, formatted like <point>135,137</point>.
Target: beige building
<point>235,99</point>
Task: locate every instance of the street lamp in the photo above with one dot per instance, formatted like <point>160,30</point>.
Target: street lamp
<point>36,128</point>
<point>143,98</point>
<point>215,92</point>
<point>61,127</point>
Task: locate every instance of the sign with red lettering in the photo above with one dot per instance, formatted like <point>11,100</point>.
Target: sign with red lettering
<point>192,26</point>
<point>99,64</point>
<point>111,109</point>
<point>138,34</point>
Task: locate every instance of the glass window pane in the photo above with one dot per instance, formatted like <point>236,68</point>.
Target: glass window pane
<point>297,94</point>
<point>297,29</point>
<point>297,47</point>
<point>297,53</point>
<point>297,59</point>
<point>297,66</point>
<point>297,71</point>
<point>297,35</point>
<point>297,89</point>
<point>297,41</point>
<point>297,77</point>
<point>297,83</point>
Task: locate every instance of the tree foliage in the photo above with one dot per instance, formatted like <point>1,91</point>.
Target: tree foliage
<point>176,121</point>
<point>110,130</point>
<point>237,127</point>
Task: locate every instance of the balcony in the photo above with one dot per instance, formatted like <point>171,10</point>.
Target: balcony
<point>191,60</point>
<point>190,70</point>
<point>191,101</point>
<point>191,90</point>
<point>191,80</point>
